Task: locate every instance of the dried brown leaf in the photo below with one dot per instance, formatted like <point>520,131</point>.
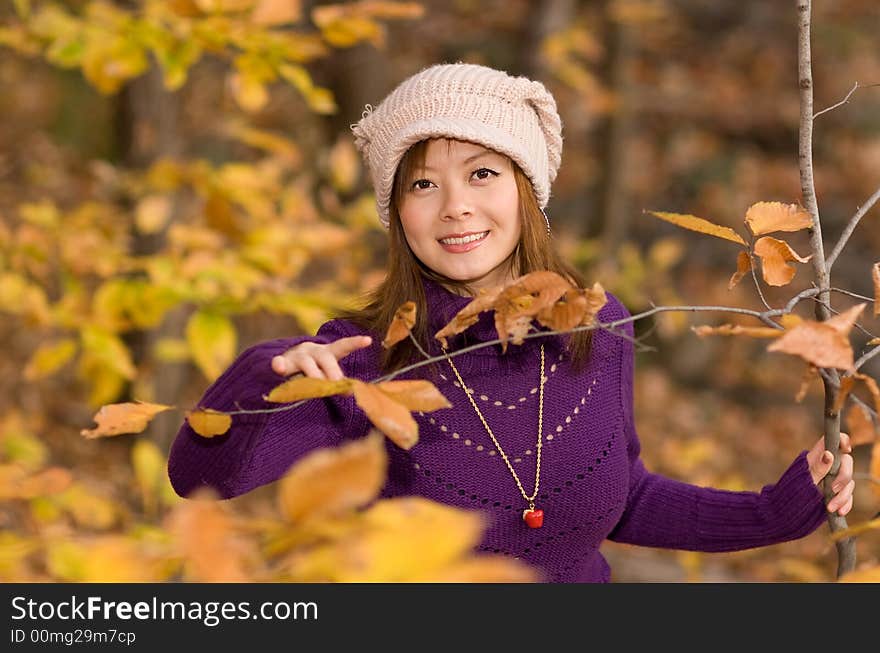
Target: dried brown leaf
<point>306,387</point>
<point>483,301</point>
<point>845,321</point>
<point>811,372</point>
<point>860,426</point>
<point>743,265</point>
<point>389,416</point>
<point>114,419</point>
<point>846,386</point>
<point>875,275</point>
<point>522,300</point>
<point>401,325</point>
<point>330,482</point>
<point>774,254</point>
<point>208,422</point>
<point>737,330</point>
<point>766,217</point>
<point>415,395</point>
<point>567,312</point>
<point>817,343</point>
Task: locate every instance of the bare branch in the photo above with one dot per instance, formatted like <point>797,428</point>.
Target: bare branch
<point>850,227</point>
<point>843,101</point>
<point>866,357</point>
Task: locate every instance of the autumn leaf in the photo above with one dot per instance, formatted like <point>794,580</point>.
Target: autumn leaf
<point>208,422</point>
<point>276,12</point>
<point>331,481</point>
<point>522,300</point>
<point>212,340</point>
<point>49,358</point>
<point>210,542</point>
<point>875,274</point>
<point>469,315</point>
<point>817,343</point>
<point>17,483</point>
<point>386,414</point>
<point>306,387</point>
<point>810,373</point>
<point>114,419</point>
<point>737,330</point>
<point>701,225</point>
<point>774,254</point>
<point>860,426</point>
<point>415,395</point>
<point>401,325</point>
<point>743,266</point>
<point>766,217</point>
<point>845,321</point>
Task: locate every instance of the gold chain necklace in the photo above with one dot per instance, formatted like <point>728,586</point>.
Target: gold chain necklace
<point>534,518</point>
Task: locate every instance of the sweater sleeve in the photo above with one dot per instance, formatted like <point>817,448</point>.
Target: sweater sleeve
<point>666,513</point>
<point>260,447</point>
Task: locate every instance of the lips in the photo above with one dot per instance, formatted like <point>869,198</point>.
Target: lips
<point>459,243</point>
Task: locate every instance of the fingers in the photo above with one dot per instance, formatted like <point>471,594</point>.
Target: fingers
<point>820,461</point>
<point>318,361</point>
<point>843,500</point>
<point>845,443</point>
<point>344,346</point>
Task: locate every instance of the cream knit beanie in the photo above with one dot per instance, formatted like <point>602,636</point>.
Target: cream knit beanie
<point>511,115</point>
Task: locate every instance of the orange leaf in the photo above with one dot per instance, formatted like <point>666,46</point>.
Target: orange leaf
<point>743,265</point>
<point>306,387</point>
<point>567,312</point>
<point>874,470</point>
<point>774,254</point>
<point>875,274</point>
<point>860,426</point>
<point>15,483</point>
<point>276,12</point>
<point>389,416</point>
<point>401,325</point>
<point>701,225</point>
<point>844,322</point>
<point>846,386</point>
<point>810,373</point>
<point>331,481</point>
<point>817,343</point>
<point>114,419</point>
<point>208,422</point>
<point>415,395</point>
<point>766,217</point>
<point>484,301</point>
<point>873,341</point>
<point>737,330</point>
<point>523,299</point>
<point>872,388</point>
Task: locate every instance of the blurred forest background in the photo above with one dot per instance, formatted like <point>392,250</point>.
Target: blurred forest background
<point>178,182</point>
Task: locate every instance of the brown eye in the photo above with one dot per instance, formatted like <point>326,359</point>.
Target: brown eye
<point>484,173</point>
<point>421,184</point>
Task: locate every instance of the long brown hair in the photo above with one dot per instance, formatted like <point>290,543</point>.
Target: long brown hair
<point>534,251</point>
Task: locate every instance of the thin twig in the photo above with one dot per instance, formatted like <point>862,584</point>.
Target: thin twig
<point>843,101</point>
<point>850,227</point>
<point>866,357</point>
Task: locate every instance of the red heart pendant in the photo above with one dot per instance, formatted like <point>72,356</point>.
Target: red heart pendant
<point>534,518</point>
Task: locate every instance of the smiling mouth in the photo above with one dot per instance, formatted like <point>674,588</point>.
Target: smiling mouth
<point>464,240</point>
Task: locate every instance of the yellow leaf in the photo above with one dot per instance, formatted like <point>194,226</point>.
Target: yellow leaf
<point>14,551</point>
<point>333,481</point>
<point>88,508</point>
<point>249,92</point>
<point>401,540</point>
<point>305,387</point>
<point>701,225</point>
<point>49,358</point>
<point>389,416</point>
<point>766,217</point>
<point>347,31</point>
<point>149,467</point>
<point>152,213</point>
<point>212,340</point>
<point>224,6</point>
<point>103,559</point>
<point>319,100</point>
<point>415,395</point>
<point>401,325</point>
<point>20,447</point>
<point>123,418</point>
<point>171,350</point>
<point>774,254</point>
<point>108,350</point>
<point>209,423</point>
<point>743,265</point>
<point>42,214</point>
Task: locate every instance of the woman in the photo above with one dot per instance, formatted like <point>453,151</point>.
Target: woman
<point>541,436</point>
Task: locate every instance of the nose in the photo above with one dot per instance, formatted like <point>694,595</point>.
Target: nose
<point>457,203</point>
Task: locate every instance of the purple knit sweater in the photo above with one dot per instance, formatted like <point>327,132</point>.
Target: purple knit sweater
<point>593,483</point>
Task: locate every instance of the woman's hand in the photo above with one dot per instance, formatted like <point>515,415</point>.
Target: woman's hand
<point>820,462</point>
<point>318,361</point>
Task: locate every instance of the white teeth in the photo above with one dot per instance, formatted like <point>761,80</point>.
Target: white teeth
<point>466,239</point>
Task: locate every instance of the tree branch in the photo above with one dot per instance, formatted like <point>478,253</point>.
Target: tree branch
<point>850,227</point>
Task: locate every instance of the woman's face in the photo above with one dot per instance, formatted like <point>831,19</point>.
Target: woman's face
<point>460,213</point>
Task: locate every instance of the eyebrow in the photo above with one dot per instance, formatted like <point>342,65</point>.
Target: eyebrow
<point>469,159</point>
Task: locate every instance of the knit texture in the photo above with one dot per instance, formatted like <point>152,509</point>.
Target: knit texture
<point>511,115</point>
<point>593,483</point>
